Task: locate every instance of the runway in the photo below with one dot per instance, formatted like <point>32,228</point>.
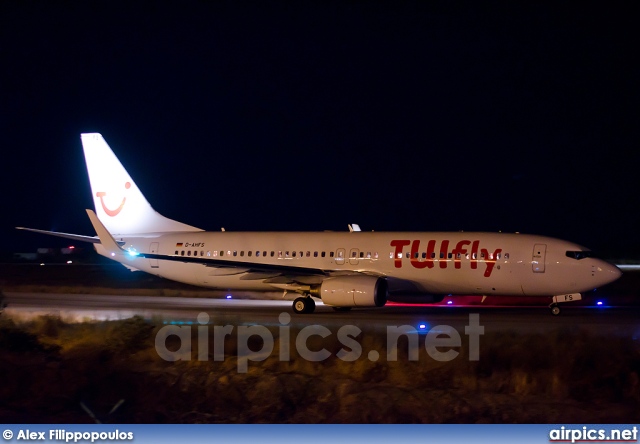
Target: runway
<point>607,321</point>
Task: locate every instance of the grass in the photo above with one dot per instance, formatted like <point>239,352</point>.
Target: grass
<point>50,366</point>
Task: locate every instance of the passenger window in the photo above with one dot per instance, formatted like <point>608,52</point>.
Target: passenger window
<point>249,253</point>
<point>354,254</point>
<point>308,253</point>
<point>242,253</point>
<point>182,253</point>
<point>506,255</point>
<point>391,255</point>
<point>408,255</point>
<point>474,256</point>
<point>368,255</point>
<point>424,255</point>
<point>264,253</point>
<point>301,254</point>
<point>323,254</point>
<point>315,254</point>
<point>235,253</point>
<point>375,255</point>
<point>209,253</point>
<point>201,253</point>
<point>215,253</point>
<point>362,254</point>
<point>257,254</point>
<point>416,255</point>
<point>331,254</point>
<point>441,255</point>
<point>279,253</point>
<point>450,255</point>
<point>481,255</point>
<point>176,252</point>
<point>286,254</point>
<point>399,255</point>
<point>189,253</point>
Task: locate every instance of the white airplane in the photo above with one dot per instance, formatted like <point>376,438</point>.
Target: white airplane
<point>344,270</point>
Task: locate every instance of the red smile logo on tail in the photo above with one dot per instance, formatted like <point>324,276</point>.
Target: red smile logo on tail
<point>115,212</point>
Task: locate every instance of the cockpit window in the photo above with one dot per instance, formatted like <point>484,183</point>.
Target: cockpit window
<point>579,254</point>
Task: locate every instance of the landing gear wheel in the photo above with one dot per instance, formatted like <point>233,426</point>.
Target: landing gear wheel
<point>303,305</point>
<point>555,310</point>
<point>311,305</point>
<point>341,308</point>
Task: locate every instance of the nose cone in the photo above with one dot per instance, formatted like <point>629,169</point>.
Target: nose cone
<point>607,272</point>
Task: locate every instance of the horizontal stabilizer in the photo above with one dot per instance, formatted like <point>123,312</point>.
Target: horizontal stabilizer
<point>76,237</point>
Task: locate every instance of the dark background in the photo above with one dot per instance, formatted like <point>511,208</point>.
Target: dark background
<point>308,116</point>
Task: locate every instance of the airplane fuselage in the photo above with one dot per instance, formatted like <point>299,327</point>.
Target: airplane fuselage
<point>434,263</point>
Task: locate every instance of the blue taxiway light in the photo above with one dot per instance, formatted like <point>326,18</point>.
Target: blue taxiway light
<point>599,303</point>
<point>449,302</point>
<point>228,296</point>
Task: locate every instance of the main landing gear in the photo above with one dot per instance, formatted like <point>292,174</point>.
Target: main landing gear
<point>304,304</point>
<point>555,310</point>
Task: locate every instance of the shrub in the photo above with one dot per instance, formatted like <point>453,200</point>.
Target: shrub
<point>130,335</point>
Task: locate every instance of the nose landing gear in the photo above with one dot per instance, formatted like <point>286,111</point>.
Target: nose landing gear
<point>555,309</point>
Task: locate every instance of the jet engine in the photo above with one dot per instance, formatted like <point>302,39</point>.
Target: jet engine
<point>352,291</point>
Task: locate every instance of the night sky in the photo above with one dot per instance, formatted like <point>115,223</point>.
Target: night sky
<point>305,116</point>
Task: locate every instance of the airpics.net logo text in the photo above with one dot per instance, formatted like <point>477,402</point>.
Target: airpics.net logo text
<point>591,434</point>
<point>441,342</point>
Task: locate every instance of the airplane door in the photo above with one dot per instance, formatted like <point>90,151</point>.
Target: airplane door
<point>539,254</point>
<point>154,249</point>
<point>353,256</point>
<point>340,256</point>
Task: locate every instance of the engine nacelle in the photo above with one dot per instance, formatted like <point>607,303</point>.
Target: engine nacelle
<point>353,291</point>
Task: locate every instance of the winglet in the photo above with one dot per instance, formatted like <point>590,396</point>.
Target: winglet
<point>107,241</point>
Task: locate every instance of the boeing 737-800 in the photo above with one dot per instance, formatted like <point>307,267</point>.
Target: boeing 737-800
<point>344,270</point>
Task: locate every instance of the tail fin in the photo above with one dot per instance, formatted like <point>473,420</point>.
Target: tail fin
<point>119,204</point>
